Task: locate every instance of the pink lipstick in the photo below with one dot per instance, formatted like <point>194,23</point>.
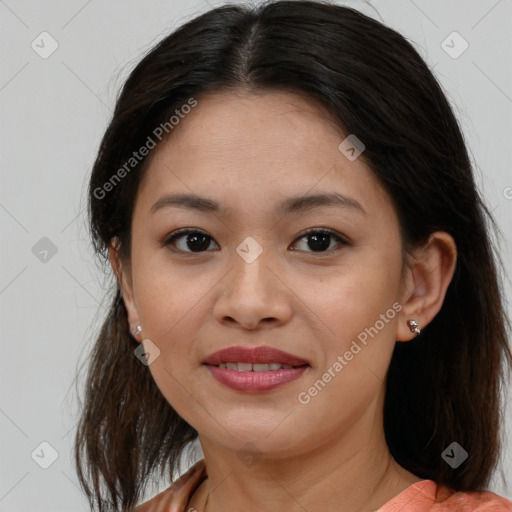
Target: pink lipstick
<point>255,369</point>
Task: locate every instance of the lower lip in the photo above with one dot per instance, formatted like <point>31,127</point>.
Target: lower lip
<point>255,382</point>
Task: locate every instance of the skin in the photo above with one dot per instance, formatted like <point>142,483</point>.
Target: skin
<point>249,151</point>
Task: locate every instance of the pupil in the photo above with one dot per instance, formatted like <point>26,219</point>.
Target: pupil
<point>323,245</point>
<point>202,238</point>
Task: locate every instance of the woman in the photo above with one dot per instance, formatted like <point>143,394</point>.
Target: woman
<point>305,281</point>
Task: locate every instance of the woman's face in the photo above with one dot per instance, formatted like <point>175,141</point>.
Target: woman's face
<point>252,277</point>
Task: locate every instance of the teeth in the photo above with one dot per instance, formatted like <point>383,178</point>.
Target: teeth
<point>247,367</point>
<point>261,367</point>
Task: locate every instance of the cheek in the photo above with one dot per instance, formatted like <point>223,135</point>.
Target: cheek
<point>354,358</point>
<point>356,313</point>
<point>172,310</point>
<point>169,295</point>
<point>354,296</point>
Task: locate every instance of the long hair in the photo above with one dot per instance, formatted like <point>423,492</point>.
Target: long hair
<point>442,387</point>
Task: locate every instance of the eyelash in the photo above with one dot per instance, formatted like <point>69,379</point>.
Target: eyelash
<point>169,240</point>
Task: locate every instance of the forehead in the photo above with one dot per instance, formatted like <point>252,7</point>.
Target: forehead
<point>239,124</point>
<point>255,149</point>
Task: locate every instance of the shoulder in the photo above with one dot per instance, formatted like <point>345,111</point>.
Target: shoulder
<point>428,496</point>
<point>177,495</point>
<point>472,501</point>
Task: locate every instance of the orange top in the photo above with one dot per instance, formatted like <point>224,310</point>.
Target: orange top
<point>418,497</point>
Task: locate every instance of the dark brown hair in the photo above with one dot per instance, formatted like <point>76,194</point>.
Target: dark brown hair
<point>442,387</point>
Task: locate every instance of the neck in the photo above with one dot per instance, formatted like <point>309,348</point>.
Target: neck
<point>352,473</point>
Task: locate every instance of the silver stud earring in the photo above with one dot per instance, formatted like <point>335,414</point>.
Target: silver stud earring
<point>413,326</point>
<point>135,331</point>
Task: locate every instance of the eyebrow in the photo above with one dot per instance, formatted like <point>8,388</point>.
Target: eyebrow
<point>290,205</point>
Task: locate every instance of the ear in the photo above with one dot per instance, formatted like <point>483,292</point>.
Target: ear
<point>124,279</point>
<point>427,279</point>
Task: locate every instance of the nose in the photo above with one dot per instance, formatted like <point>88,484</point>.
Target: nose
<point>254,295</point>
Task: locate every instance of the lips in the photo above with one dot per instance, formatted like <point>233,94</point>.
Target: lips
<point>255,355</point>
<point>255,371</point>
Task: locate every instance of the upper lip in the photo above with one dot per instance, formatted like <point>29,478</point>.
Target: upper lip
<point>261,354</point>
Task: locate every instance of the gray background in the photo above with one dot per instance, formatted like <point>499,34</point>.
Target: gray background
<point>53,113</point>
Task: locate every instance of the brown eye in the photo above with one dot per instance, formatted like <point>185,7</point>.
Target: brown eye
<point>196,241</point>
<point>193,240</point>
<point>319,240</point>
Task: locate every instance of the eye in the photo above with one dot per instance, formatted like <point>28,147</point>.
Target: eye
<point>196,241</point>
<point>319,239</point>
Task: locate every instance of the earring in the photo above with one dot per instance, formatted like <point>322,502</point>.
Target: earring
<point>135,331</point>
<point>413,326</point>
